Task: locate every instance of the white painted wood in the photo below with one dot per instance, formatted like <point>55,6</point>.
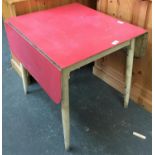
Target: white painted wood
<point>98,56</point>
<point>129,66</point>
<point>65,88</point>
<point>24,76</point>
<point>65,109</point>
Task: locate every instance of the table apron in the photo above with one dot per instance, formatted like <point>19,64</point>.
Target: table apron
<point>98,56</point>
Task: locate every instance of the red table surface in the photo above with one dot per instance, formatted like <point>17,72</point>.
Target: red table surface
<point>64,36</point>
<point>74,32</point>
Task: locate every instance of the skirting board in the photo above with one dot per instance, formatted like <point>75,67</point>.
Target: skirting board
<point>139,95</point>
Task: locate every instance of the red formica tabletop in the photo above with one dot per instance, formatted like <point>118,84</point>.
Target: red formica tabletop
<point>48,41</point>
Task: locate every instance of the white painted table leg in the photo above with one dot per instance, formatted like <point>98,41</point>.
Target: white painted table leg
<point>24,77</point>
<point>129,66</point>
<point>65,109</point>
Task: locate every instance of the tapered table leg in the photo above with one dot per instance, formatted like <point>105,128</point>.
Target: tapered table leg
<point>129,66</point>
<point>24,75</point>
<point>65,109</point>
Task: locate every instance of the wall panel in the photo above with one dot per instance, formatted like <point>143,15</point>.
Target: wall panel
<point>112,68</point>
